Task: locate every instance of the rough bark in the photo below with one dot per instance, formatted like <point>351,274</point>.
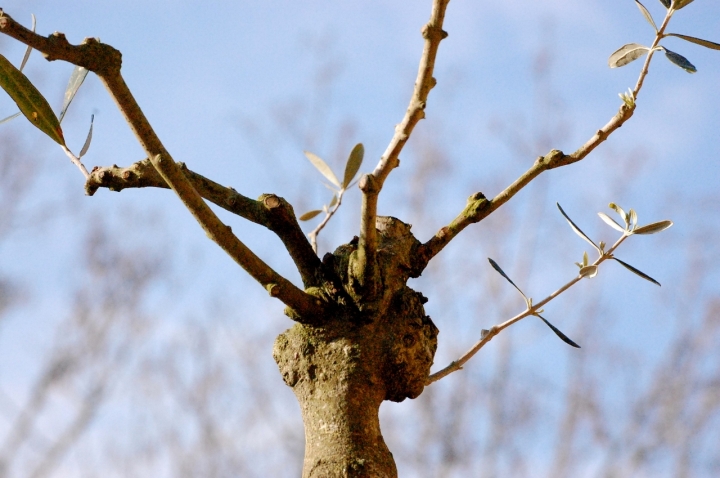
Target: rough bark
<point>370,351</point>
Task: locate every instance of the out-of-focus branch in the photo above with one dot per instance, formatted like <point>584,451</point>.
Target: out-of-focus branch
<point>270,211</point>
<point>106,61</point>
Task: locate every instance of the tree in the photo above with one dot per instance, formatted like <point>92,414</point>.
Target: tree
<point>362,335</point>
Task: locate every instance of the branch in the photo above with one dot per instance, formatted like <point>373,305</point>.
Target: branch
<point>106,61</point>
<point>270,211</point>
<point>487,335</point>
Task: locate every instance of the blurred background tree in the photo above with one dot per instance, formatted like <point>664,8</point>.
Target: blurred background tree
<point>122,358</point>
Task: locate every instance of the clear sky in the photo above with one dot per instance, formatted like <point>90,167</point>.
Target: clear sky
<point>238,90</point>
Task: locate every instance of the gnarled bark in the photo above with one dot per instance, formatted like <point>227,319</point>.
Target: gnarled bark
<point>372,351</point>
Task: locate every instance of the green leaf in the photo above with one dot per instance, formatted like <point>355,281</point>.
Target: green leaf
<point>309,215</point>
<point>353,164</point>
<point>638,272</point>
<point>625,217</point>
<point>32,104</point>
<point>653,228</point>
<point>678,4</point>
<point>321,166</point>
<point>76,79</point>
<point>577,230</point>
<point>611,222</point>
<point>29,49</point>
<point>680,61</point>
<point>502,273</point>
<point>666,3</point>
<point>86,146</point>
<point>562,336</point>
<point>626,54</point>
<point>698,41</point>
<point>10,118</point>
<point>646,14</point>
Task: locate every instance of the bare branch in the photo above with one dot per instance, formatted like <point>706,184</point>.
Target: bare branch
<point>270,211</point>
<point>105,61</point>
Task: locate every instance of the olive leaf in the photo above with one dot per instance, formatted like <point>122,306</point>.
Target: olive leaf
<point>653,228</point>
<point>353,164</point>
<point>322,166</point>
<point>626,54</point>
<point>577,230</point>
<point>76,80</point>
<point>625,217</point>
<point>10,118</point>
<point>611,222</point>
<point>678,4</point>
<point>588,271</point>
<point>680,61</point>
<point>86,146</point>
<point>562,336</point>
<point>636,271</point>
<point>333,201</point>
<point>502,273</point>
<point>31,102</point>
<point>698,41</point>
<point>646,14</point>
<point>29,48</point>
<point>666,3</point>
<point>309,215</point>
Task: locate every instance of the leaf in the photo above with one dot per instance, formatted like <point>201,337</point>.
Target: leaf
<point>626,54</point>
<point>647,15</point>
<point>29,49</point>
<point>562,336</point>
<point>611,222</point>
<point>585,259</point>
<point>309,215</point>
<point>333,201</point>
<point>621,212</point>
<point>502,273</point>
<point>10,118</point>
<point>633,218</point>
<point>353,164</point>
<point>589,271</point>
<point>31,102</point>
<point>698,41</point>
<point>76,79</point>
<point>680,61</point>
<point>86,146</point>
<point>678,4</point>
<point>653,228</point>
<point>576,229</point>
<point>666,3</point>
<point>321,166</point>
<point>635,271</point>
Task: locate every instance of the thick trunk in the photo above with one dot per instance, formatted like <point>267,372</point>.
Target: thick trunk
<point>341,371</point>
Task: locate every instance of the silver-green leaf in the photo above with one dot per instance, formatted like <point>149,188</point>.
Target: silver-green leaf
<point>309,215</point>
<point>697,41</point>
<point>577,230</point>
<point>626,54</point>
<point>653,228</point>
<point>76,80</point>
<point>322,166</point>
<point>611,222</point>
<point>666,3</point>
<point>333,201</point>
<point>29,49</point>
<point>589,271</point>
<point>353,164</point>
<point>680,61</point>
<point>562,336</point>
<point>502,273</point>
<point>646,14</point>
<point>88,140</point>
<point>678,4</point>
<point>636,271</point>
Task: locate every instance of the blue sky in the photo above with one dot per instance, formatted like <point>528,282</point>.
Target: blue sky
<point>238,90</point>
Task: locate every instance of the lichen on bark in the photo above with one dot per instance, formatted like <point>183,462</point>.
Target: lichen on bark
<point>369,351</point>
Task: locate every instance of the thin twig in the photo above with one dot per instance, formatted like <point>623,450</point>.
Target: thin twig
<point>328,215</point>
<point>487,335</point>
<point>478,207</point>
<point>76,161</point>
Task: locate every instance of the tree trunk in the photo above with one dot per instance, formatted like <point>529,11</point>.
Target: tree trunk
<point>342,370</point>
